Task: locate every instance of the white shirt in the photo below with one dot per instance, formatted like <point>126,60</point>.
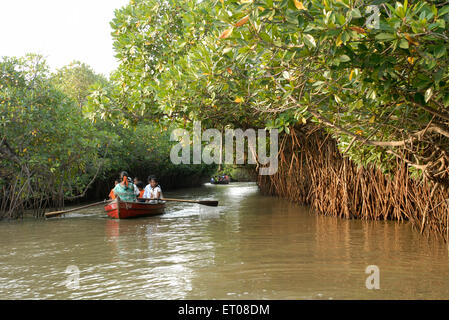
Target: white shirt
<point>152,191</point>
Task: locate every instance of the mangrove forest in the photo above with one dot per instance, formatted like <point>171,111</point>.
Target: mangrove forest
<point>224,149</point>
<point>359,91</point>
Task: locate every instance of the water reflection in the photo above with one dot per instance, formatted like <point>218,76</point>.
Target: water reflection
<point>250,247</point>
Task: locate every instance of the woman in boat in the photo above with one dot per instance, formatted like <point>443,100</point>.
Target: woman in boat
<point>153,190</point>
<point>125,189</point>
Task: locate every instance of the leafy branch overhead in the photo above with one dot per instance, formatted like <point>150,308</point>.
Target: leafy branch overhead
<point>374,73</point>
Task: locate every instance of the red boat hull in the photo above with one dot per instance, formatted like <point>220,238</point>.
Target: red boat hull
<point>127,210</point>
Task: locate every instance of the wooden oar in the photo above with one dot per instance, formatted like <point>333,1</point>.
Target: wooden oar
<point>58,213</point>
<point>210,203</point>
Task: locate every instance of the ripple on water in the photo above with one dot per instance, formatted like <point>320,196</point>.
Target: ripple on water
<point>250,247</point>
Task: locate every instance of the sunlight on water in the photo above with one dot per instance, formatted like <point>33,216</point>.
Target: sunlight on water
<point>250,247</point>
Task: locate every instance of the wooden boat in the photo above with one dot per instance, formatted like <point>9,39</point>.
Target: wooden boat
<point>126,210</point>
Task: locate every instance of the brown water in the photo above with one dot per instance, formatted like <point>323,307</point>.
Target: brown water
<point>250,247</point>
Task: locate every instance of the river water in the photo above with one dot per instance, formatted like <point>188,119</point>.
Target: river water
<point>250,247</point>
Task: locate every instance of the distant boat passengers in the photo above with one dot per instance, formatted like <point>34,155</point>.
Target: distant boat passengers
<point>129,191</point>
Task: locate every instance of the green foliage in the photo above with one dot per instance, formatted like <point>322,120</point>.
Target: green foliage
<point>324,62</point>
<point>51,151</point>
<point>247,63</point>
<point>144,150</point>
<point>171,70</point>
<point>238,173</point>
<point>75,80</point>
<point>45,131</point>
<point>381,89</point>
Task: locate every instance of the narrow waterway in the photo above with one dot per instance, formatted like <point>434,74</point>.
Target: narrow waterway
<point>250,247</point>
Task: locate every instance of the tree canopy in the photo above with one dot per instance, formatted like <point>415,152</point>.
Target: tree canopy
<point>49,150</point>
<point>76,79</point>
<point>373,73</point>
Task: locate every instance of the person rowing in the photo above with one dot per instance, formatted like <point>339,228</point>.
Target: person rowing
<point>125,189</point>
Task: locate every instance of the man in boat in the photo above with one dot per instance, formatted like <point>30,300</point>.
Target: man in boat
<point>153,190</point>
<point>125,189</point>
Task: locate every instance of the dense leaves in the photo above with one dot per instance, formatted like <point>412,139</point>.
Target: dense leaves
<point>75,80</point>
<point>374,73</point>
<point>49,150</point>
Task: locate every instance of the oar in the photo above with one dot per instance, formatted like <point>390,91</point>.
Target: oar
<point>57,213</point>
<point>210,203</point>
